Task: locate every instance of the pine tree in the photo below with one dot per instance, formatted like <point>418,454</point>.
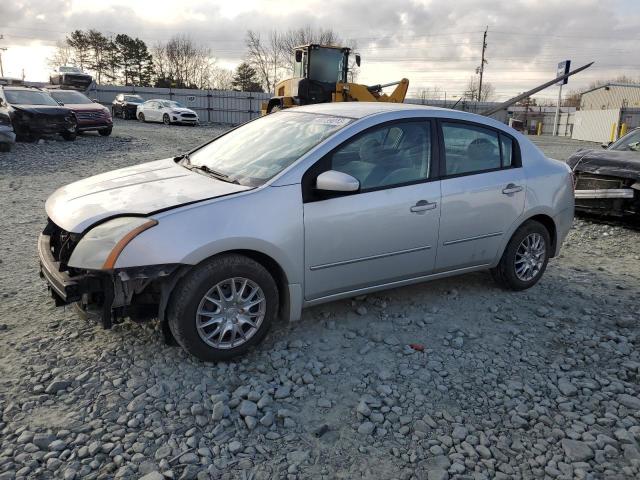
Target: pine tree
<point>245,79</point>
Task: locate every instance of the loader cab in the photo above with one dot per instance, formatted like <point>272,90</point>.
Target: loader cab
<point>319,68</point>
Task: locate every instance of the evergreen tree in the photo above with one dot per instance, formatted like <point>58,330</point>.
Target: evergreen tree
<point>246,79</point>
<point>79,43</point>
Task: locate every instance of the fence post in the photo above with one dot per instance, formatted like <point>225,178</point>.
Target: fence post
<point>209,105</point>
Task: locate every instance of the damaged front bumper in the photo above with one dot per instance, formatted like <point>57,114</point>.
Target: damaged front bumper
<point>605,193</point>
<point>112,295</point>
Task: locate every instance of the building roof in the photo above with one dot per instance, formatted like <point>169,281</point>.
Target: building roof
<point>612,84</point>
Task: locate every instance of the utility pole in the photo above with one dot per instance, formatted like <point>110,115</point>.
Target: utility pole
<point>2,49</point>
<point>480,69</point>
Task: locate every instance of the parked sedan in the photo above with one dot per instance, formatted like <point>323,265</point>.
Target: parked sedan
<point>69,76</point>
<point>33,113</point>
<point>608,181</point>
<point>89,114</point>
<point>167,112</point>
<point>7,136</point>
<point>126,106</point>
<point>302,207</point>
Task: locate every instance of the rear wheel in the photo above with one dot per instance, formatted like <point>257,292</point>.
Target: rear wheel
<point>525,259</point>
<point>166,120</point>
<point>223,307</point>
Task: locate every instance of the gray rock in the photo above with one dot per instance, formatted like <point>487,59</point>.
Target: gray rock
<point>366,428</point>
<point>629,401</point>
<point>235,446</point>
<point>460,432</point>
<point>567,388</point>
<point>57,385</point>
<point>437,474</point>
<point>189,458</point>
<point>57,445</point>
<point>282,392</point>
<point>576,451</point>
<point>42,440</point>
<point>153,476</point>
<point>248,409</point>
<point>218,411</point>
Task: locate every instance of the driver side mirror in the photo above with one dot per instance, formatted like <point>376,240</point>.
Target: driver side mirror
<point>334,181</point>
<point>357,59</point>
<point>298,56</point>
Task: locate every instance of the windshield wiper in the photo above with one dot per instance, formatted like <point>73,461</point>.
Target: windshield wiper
<point>203,168</point>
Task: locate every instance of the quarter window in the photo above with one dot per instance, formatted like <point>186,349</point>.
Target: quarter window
<point>387,156</point>
<point>470,148</point>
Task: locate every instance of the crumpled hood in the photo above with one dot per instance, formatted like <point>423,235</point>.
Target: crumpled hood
<point>43,109</point>
<point>141,190</point>
<point>623,164</point>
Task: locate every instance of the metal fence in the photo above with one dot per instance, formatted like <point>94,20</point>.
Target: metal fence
<point>217,106</point>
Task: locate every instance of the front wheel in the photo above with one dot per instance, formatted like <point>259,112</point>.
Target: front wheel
<point>223,307</point>
<point>105,132</point>
<point>166,120</point>
<point>525,258</point>
<point>141,117</point>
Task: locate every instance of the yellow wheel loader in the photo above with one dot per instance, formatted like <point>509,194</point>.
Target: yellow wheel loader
<point>320,76</point>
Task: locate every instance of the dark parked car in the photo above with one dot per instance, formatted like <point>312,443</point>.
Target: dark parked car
<point>33,113</point>
<point>7,137</point>
<point>90,115</point>
<point>608,181</point>
<point>125,106</point>
<point>70,77</point>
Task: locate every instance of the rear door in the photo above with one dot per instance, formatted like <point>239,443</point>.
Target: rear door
<point>386,232</point>
<point>483,192</point>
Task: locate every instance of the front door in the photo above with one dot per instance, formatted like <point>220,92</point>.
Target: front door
<point>388,231</point>
<point>483,192</point>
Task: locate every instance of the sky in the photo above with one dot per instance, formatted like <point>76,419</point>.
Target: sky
<point>434,43</point>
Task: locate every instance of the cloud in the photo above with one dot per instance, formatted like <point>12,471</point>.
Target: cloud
<point>432,42</point>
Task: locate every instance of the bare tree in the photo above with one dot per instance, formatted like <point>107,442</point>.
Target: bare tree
<point>221,78</point>
<point>264,56</point>
<point>430,93</point>
<point>63,55</point>
<point>471,91</point>
<point>272,55</point>
<point>181,63</point>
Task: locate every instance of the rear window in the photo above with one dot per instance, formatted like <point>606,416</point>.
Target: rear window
<point>29,97</point>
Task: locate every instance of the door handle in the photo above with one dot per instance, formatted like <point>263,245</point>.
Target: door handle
<point>423,206</point>
<point>511,188</point>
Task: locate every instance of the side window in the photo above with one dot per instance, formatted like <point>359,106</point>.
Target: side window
<point>385,156</point>
<point>470,148</point>
<point>506,149</point>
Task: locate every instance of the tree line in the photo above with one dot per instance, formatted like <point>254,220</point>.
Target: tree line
<point>180,62</point>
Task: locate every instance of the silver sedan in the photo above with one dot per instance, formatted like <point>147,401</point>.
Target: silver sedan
<point>302,207</point>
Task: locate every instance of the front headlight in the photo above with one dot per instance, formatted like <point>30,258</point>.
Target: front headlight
<point>100,248</point>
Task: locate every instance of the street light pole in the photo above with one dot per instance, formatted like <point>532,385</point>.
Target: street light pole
<point>557,117</point>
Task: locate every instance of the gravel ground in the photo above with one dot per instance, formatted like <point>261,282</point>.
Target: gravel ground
<point>537,384</point>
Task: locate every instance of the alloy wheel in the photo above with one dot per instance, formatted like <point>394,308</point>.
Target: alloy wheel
<point>230,313</point>
<point>530,257</point>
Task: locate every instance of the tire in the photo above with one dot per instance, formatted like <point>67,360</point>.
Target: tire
<point>105,132</point>
<point>166,120</point>
<point>275,108</point>
<point>113,112</point>
<point>507,274</point>
<point>188,299</point>
<point>5,147</point>
<point>71,136</point>
<point>141,117</point>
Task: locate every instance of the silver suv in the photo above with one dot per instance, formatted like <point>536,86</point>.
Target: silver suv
<point>303,207</point>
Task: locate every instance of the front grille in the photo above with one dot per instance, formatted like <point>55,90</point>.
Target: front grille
<point>188,115</point>
<point>590,182</point>
<point>62,243</point>
<point>89,115</point>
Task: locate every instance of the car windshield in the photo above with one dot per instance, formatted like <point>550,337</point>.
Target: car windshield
<point>70,97</point>
<point>326,65</point>
<point>171,104</point>
<point>259,150</point>
<point>133,99</point>
<point>69,70</point>
<point>29,97</point>
<point>630,142</point>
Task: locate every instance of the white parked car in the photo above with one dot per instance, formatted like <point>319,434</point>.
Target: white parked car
<point>167,112</point>
<point>302,207</point>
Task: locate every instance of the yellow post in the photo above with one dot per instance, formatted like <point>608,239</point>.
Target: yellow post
<point>623,130</point>
<point>612,137</point>
<point>539,131</point>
